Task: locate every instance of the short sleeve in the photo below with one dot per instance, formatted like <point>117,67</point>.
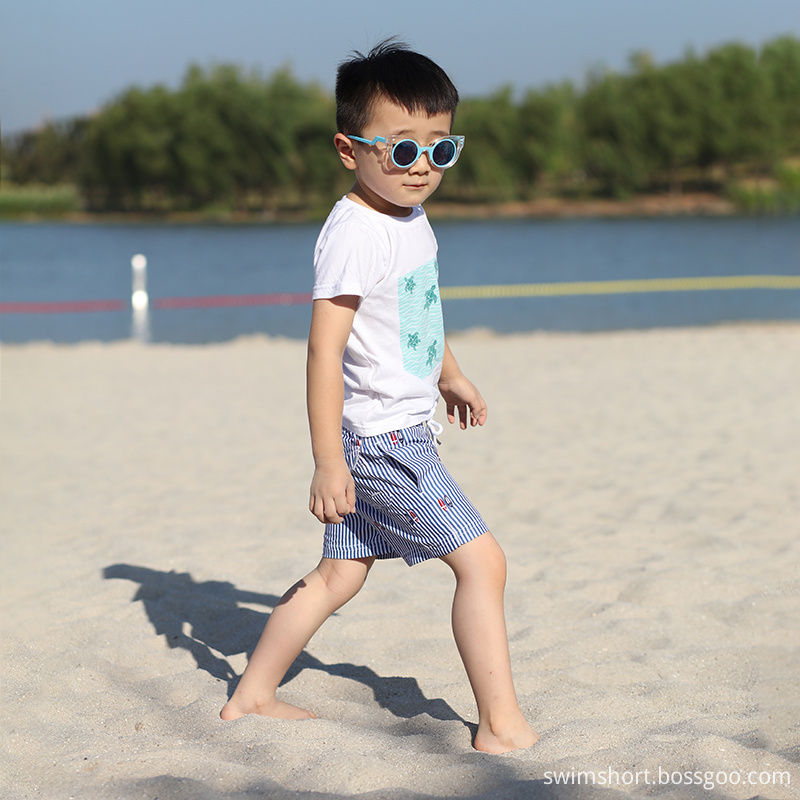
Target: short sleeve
<point>348,259</point>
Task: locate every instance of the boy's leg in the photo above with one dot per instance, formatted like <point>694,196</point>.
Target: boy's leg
<point>298,615</point>
<point>479,629</point>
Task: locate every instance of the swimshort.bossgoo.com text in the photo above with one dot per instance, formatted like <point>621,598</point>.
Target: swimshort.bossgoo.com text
<point>708,779</point>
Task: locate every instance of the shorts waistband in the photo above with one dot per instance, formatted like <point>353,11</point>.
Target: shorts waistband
<point>423,431</point>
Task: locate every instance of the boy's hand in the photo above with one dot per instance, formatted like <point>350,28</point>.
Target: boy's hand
<point>460,393</point>
<point>333,492</point>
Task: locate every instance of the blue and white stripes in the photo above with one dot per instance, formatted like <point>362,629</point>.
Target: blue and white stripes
<point>407,503</point>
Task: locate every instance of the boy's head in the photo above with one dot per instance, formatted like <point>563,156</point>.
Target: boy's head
<point>390,71</point>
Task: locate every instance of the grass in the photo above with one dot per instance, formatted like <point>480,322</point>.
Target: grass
<point>36,200</point>
<point>779,195</point>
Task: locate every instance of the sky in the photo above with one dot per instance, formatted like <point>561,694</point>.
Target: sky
<point>62,58</point>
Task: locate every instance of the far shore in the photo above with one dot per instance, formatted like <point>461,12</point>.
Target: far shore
<point>653,205</point>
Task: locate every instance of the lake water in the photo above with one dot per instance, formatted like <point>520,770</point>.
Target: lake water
<point>65,262</point>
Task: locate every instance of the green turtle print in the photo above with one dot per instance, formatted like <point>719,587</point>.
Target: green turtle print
<point>421,323</point>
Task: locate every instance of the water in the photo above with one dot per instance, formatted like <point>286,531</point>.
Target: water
<point>63,262</point>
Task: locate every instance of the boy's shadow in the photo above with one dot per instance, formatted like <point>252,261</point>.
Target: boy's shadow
<point>207,620</point>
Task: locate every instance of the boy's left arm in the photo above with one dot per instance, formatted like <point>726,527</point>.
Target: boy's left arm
<point>458,392</point>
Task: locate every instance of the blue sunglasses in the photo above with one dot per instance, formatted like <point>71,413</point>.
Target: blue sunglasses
<point>443,153</point>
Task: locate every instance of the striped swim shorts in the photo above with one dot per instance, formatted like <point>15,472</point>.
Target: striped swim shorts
<point>407,504</point>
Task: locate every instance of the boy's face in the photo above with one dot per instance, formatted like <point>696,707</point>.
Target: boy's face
<point>379,183</point>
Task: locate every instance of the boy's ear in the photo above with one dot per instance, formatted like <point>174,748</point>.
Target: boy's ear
<point>344,147</point>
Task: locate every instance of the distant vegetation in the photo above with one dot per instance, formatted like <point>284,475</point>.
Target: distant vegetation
<point>228,141</point>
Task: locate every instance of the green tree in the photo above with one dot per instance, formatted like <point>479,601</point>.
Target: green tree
<point>301,119</point>
<point>547,137</point>
<point>53,153</point>
<point>128,151</point>
<point>612,134</point>
<point>667,105</point>
<point>223,137</point>
<point>486,169</point>
<point>738,113</point>
<point>780,62</point>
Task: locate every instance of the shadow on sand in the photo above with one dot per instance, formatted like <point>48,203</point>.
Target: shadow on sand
<point>213,620</point>
<point>208,620</point>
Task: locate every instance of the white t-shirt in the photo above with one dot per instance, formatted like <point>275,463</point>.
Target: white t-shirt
<point>393,357</point>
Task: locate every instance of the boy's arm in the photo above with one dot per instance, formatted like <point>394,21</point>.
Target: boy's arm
<point>332,488</point>
<point>458,392</point>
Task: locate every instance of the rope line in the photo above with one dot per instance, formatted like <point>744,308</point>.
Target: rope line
<point>217,301</point>
<point>575,288</point>
<point>63,307</point>
<point>622,286</point>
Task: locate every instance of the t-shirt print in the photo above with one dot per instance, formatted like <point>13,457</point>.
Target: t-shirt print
<point>421,322</point>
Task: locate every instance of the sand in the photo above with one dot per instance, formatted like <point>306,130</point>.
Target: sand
<point>644,485</point>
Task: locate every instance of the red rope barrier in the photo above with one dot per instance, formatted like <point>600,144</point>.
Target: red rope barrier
<point>220,301</point>
<point>213,301</point>
<point>63,307</point>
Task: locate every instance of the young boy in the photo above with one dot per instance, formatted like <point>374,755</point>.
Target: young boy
<point>377,362</point>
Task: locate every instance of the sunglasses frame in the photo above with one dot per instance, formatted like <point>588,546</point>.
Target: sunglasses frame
<point>392,142</point>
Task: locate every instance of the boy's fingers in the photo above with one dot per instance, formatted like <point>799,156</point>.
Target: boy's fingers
<point>317,508</point>
<point>332,516</point>
<point>342,504</point>
<point>327,510</point>
<point>350,496</point>
<point>479,412</point>
<point>331,503</point>
<point>341,508</point>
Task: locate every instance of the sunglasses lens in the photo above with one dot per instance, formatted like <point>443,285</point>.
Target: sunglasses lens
<point>444,153</point>
<point>405,153</point>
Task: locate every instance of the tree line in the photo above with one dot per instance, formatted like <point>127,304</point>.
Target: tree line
<point>232,139</point>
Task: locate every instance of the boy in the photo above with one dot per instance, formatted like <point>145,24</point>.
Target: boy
<point>377,362</point>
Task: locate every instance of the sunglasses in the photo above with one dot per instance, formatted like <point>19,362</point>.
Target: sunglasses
<point>443,153</point>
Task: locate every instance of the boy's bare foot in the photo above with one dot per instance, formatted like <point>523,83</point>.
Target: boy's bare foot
<point>274,708</point>
<point>513,737</point>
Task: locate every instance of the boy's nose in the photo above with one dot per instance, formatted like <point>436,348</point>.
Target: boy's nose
<point>422,164</point>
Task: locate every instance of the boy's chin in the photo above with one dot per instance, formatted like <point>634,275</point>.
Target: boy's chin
<point>398,207</point>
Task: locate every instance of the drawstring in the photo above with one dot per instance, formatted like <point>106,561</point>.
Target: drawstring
<point>435,428</point>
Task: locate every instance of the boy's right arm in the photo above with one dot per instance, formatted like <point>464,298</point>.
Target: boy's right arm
<point>332,488</point>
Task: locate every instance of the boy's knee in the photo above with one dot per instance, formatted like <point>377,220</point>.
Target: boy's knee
<point>482,557</point>
<point>343,578</point>
<point>495,556</point>
<point>491,548</point>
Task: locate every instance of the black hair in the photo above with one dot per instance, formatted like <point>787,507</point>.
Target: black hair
<point>392,71</point>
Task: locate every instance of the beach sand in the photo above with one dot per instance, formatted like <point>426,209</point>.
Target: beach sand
<point>644,485</point>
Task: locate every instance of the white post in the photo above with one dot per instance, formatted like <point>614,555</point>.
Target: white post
<point>140,302</point>
<point>139,298</point>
